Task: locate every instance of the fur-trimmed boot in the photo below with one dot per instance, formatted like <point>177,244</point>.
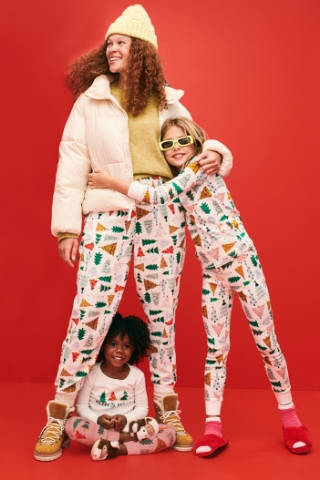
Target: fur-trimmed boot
<point>167,413</point>
<point>53,437</point>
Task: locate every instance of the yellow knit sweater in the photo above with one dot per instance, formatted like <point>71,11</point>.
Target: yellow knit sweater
<point>144,133</point>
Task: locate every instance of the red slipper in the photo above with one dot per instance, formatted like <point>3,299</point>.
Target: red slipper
<point>293,435</point>
<point>214,442</point>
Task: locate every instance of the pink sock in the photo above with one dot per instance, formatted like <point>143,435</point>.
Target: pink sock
<point>289,417</point>
<point>213,427</point>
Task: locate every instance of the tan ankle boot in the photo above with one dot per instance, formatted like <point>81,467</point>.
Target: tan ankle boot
<point>167,412</point>
<point>53,437</point>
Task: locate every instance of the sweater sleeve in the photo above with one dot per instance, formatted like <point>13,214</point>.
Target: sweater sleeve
<point>141,400</point>
<point>184,182</point>
<point>72,174</point>
<point>83,398</point>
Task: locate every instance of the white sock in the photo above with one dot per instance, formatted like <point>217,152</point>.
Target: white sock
<point>161,391</point>
<point>66,398</point>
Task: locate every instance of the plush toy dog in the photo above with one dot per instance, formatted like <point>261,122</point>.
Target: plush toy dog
<point>143,428</point>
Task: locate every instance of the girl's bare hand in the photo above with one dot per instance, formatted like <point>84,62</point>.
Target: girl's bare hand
<point>106,421</point>
<point>120,422</point>
<point>99,179</point>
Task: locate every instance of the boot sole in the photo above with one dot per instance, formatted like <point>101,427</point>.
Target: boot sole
<point>182,448</point>
<point>54,456</point>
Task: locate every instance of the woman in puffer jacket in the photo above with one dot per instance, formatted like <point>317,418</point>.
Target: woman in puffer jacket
<point>122,101</point>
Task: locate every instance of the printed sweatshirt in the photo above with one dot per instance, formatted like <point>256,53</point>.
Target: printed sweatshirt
<point>101,394</point>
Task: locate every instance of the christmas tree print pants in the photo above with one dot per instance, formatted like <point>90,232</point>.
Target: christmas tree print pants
<point>84,431</point>
<point>154,237</point>
<point>245,277</point>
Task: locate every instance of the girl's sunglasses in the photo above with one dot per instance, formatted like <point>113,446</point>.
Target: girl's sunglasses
<point>182,141</point>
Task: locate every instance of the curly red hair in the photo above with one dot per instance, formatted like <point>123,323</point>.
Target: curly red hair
<point>143,76</point>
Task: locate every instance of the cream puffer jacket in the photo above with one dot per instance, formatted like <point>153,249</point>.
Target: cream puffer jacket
<point>96,136</point>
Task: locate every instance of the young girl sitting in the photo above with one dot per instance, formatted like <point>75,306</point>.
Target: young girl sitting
<point>229,264</point>
<point>113,404</point>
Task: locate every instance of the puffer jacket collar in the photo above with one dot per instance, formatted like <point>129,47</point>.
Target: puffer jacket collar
<point>100,90</point>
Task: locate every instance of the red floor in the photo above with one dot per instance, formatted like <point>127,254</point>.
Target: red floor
<point>250,421</point>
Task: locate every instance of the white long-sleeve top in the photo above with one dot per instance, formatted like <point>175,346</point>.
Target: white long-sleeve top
<point>101,394</point>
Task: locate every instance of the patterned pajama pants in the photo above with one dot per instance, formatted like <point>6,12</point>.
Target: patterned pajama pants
<point>245,277</point>
<point>154,237</point>
<point>84,431</point>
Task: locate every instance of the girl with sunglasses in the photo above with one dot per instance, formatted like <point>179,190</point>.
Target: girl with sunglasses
<point>230,264</point>
<point>122,99</point>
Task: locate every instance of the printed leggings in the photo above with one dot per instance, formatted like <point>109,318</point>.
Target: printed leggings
<point>154,236</point>
<point>245,277</point>
<point>84,431</point>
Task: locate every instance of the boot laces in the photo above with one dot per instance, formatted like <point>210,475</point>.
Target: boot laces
<point>172,418</point>
<point>53,431</point>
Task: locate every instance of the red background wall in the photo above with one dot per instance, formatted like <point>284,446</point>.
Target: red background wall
<point>250,71</point>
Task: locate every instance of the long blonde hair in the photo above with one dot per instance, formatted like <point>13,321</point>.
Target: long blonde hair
<point>190,128</point>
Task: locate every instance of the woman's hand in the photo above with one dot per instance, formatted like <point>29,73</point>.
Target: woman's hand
<point>120,421</point>
<point>68,248</point>
<point>99,179</point>
<point>210,161</point>
<point>106,421</point>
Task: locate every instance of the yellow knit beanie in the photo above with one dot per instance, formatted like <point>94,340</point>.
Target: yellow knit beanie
<point>134,22</point>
